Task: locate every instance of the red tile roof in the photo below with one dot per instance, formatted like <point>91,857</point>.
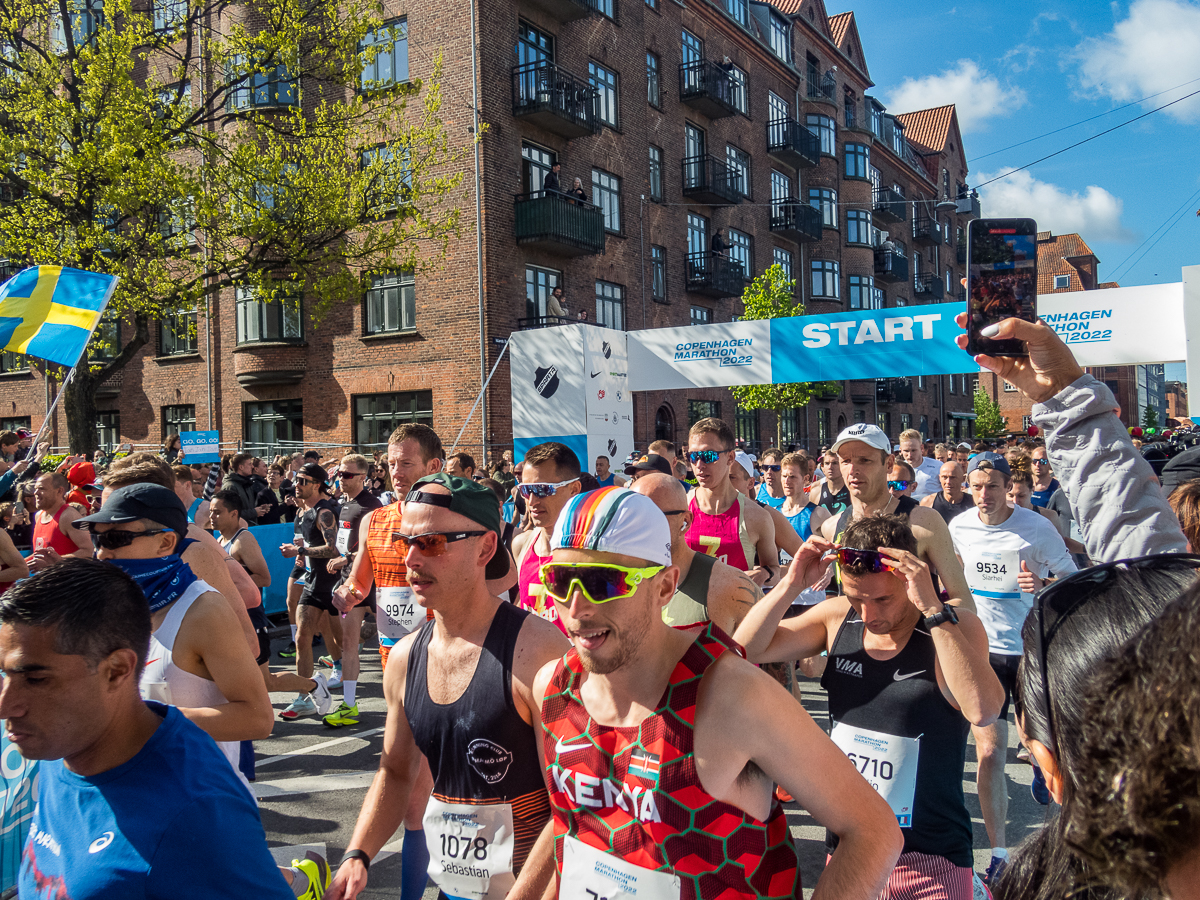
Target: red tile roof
<point>839,26</point>
<point>1065,254</point>
<point>788,7</point>
<point>929,129</point>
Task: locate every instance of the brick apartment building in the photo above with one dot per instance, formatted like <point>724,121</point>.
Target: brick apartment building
<point>1177,403</point>
<point>679,120</point>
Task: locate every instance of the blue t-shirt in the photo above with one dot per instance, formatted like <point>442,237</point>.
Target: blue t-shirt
<point>801,521</point>
<point>609,481</point>
<point>764,496</point>
<point>173,823</point>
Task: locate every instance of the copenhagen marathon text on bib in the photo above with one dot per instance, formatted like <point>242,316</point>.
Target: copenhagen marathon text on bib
<point>342,542</point>
<point>399,613</point>
<point>992,573</point>
<point>591,874</point>
<point>888,762</point>
<point>470,848</point>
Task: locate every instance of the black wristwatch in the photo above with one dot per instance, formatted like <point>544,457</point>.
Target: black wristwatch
<point>360,855</point>
<point>946,615</point>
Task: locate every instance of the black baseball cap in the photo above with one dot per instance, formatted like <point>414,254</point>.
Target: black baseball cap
<point>651,462</point>
<point>476,502</point>
<point>141,501</point>
<point>315,472</point>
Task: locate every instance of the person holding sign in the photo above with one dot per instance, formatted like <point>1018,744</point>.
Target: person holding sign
<point>906,675</point>
<point>1006,552</point>
<point>459,700</point>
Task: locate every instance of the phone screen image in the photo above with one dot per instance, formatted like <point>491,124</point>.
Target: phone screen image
<point>1001,280</point>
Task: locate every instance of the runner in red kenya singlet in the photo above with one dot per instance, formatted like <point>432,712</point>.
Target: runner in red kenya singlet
<point>661,746</point>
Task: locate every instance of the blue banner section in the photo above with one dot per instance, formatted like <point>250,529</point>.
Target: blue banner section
<point>577,442</point>
<point>877,343</point>
<point>269,538</point>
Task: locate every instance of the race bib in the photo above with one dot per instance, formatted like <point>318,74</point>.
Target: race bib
<point>591,874</point>
<point>470,848</point>
<point>992,573</point>
<point>399,613</point>
<point>888,762</point>
<point>343,538</point>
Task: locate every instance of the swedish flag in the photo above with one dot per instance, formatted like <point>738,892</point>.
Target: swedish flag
<point>51,311</point>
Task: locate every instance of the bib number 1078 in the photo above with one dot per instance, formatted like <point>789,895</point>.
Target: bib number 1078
<point>459,847</point>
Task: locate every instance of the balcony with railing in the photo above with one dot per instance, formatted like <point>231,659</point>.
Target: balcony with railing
<point>926,230</point>
<point>564,10</point>
<point>708,180</point>
<point>795,220</point>
<point>710,89</point>
<point>793,144</point>
<point>969,205</point>
<point>822,88</point>
<point>533,322</point>
<point>889,206</point>
<point>929,287</point>
<point>550,221</point>
<point>714,276</point>
<point>550,96</point>
<point>890,266</point>
<point>856,118</point>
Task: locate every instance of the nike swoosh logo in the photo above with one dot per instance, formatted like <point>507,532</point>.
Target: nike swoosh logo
<point>896,676</point>
<point>594,374</point>
<point>560,747</point>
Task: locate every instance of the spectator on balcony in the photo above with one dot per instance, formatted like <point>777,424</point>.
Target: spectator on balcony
<point>718,243</point>
<point>555,311</point>
<point>550,183</point>
<point>577,193</point>
<point>583,315</point>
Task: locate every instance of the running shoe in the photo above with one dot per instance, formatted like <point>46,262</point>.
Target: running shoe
<point>314,867</point>
<point>979,890</point>
<point>1023,753</point>
<point>320,695</point>
<point>1038,788</point>
<point>334,678</point>
<point>289,652</point>
<point>782,795</point>
<point>302,706</point>
<point>342,716</point>
<point>994,870</point>
<point>327,661</point>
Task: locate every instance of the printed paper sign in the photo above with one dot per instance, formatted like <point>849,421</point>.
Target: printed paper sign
<point>200,446</point>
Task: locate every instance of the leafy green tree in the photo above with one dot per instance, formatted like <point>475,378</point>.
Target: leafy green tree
<point>1150,417</point>
<point>276,146</point>
<point>772,296</point>
<point>989,420</point>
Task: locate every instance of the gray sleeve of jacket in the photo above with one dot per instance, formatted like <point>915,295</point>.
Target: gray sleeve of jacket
<point>1111,489</point>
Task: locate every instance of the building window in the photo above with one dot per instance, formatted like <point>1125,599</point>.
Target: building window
<point>862,292</point>
<point>1062,282</point>
<point>825,279</point>
<point>539,284</point>
<point>536,163</point>
<point>653,4</point>
<point>783,259</point>
<point>255,88</point>
<point>703,409</point>
<point>606,194</point>
<point>391,303</point>
<point>1009,387</point>
<point>884,421</point>
<point>13,362</point>
<point>376,416</point>
<point>825,200</point>
<point>740,90</point>
<point>858,161</point>
<point>610,305</point>
<point>780,38</point>
<point>12,423</point>
<point>953,384</point>
<point>697,237</point>
<point>664,424</point>
<point>691,48</point>
<point>384,54</point>
<point>177,333</point>
<point>858,227</point>
<point>826,129</point>
<point>268,320</point>
<point>905,421</point>
<point>658,273</point>
<point>741,249</point>
<point>605,83</point>
<point>267,425</point>
<point>745,429</point>
<point>169,14</point>
<point>739,9</point>
<point>823,427</point>
<point>656,170</point>
<point>87,18</point>
<point>387,179</point>
<point>700,315</point>
<point>653,88</point>
<point>860,415</point>
<point>607,8</point>
<point>738,162</point>
<point>176,419</point>
<point>106,341</point>
<point>781,190</point>
<point>920,382</point>
<point>108,429</point>
<point>1026,422</point>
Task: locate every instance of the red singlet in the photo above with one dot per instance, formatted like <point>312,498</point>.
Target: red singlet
<point>48,534</point>
<point>634,792</point>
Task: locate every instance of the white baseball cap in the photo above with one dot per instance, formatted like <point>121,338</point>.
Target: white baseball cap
<point>872,435</point>
<point>746,461</point>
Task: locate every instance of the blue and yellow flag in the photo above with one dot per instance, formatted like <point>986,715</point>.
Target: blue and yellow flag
<point>51,311</point>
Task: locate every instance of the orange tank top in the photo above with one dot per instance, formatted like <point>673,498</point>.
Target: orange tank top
<point>386,562</point>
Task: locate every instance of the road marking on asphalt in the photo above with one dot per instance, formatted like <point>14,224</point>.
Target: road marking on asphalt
<point>312,784</point>
<point>315,747</point>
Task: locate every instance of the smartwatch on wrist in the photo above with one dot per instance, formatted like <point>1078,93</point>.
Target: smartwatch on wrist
<point>360,855</point>
<point>946,615</point>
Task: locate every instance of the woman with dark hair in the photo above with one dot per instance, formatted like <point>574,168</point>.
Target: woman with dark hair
<point>173,449</point>
<point>1076,624</point>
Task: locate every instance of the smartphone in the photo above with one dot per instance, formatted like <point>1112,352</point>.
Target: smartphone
<point>1001,280</point>
<point>18,508</point>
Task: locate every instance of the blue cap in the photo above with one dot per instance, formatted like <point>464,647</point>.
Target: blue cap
<point>995,461</point>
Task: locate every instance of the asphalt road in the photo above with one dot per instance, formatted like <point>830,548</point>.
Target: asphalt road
<point>311,780</point>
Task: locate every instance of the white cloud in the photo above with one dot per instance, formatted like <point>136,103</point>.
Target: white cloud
<point>1095,214</point>
<point>978,95</point>
<point>1156,47</point>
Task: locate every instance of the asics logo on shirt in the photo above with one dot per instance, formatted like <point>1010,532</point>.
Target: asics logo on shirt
<point>101,842</point>
<point>896,676</point>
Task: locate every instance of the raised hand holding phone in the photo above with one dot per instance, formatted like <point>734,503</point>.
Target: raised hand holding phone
<point>1001,282</point>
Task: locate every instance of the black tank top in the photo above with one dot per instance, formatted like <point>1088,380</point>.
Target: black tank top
<point>320,582</point>
<point>865,693</point>
<point>948,510</point>
<point>479,748</point>
<point>835,503</point>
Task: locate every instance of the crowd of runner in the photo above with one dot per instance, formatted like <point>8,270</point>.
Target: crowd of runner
<point>592,679</point>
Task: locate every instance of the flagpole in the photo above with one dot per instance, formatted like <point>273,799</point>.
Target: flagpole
<point>50,412</point>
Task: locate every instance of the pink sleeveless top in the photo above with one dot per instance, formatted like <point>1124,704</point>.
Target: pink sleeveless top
<point>531,595</point>
<point>723,536</point>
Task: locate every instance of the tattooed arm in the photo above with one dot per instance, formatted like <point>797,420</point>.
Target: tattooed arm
<point>327,522</point>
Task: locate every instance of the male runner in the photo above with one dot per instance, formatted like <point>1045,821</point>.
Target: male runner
<point>459,699</point>
<point>1007,553</point>
<point>358,503</point>
<point>771,492</point>
<point>951,499</point>
<point>865,456</point>
<point>832,493</point>
<point>549,479</point>
<point>662,746</point>
<point>605,475</point>
<point>902,481</point>
<point>733,530</point>
<point>926,469</point>
<point>1044,482</point>
<point>905,676</point>
<point>962,454</point>
<point>708,590</point>
<point>316,611</point>
<point>802,514</point>
<point>741,476</point>
<point>52,529</point>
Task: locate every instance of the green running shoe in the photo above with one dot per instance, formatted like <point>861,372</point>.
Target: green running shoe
<point>343,715</point>
<point>289,652</point>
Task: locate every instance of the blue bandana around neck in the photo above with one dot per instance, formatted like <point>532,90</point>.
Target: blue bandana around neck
<point>163,580</point>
